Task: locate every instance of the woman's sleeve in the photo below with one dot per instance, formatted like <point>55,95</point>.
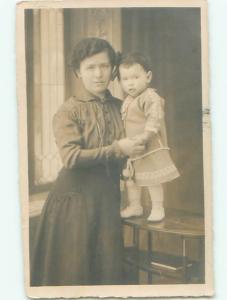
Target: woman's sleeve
<point>153,107</point>
<point>70,144</point>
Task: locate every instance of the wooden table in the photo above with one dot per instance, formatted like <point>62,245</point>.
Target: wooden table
<point>184,226</point>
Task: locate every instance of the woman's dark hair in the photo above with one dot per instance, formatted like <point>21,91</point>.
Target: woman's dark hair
<point>132,58</point>
<point>88,47</point>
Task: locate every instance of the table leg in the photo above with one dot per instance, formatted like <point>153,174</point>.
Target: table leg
<point>135,241</point>
<point>185,261</point>
<point>149,245</point>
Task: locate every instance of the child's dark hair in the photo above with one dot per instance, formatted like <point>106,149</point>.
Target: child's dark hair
<point>88,47</point>
<point>132,58</point>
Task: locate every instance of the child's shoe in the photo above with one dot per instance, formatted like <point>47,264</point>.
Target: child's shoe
<point>132,211</point>
<point>156,215</point>
<point>158,212</point>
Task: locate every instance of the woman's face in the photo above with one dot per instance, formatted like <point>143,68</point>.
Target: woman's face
<point>95,73</point>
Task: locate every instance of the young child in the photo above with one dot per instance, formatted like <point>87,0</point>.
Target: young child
<point>143,117</point>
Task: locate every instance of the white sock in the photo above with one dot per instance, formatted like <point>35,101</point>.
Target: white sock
<point>157,199</point>
<point>134,207</point>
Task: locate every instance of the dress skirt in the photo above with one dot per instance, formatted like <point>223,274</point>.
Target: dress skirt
<point>155,168</point>
<point>79,237</point>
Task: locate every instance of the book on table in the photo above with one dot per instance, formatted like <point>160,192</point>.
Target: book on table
<point>168,262</point>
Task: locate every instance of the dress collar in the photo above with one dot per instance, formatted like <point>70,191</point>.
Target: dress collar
<point>85,95</point>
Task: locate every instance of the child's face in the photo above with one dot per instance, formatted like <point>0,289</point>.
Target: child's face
<point>134,79</point>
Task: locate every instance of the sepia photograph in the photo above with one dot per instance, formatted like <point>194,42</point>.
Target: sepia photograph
<point>115,159</point>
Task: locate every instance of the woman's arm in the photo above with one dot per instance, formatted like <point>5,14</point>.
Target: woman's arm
<point>69,141</point>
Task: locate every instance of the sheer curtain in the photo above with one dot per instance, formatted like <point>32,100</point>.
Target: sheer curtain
<point>45,89</point>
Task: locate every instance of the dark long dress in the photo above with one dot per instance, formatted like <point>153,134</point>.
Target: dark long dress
<point>79,236</point>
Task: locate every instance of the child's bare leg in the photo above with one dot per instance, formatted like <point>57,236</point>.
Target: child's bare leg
<point>134,197</point>
<point>157,198</point>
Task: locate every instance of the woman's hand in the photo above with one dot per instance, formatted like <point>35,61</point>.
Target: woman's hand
<point>131,147</point>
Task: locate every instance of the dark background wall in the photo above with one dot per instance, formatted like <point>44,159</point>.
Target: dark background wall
<point>171,38</point>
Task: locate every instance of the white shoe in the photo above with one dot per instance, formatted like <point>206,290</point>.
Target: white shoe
<point>156,215</point>
<point>132,211</point>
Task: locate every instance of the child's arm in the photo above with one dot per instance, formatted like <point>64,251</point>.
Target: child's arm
<point>152,106</point>
<point>144,137</point>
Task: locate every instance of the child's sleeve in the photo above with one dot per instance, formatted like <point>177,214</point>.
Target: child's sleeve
<point>153,106</point>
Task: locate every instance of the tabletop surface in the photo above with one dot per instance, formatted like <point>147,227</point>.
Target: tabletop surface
<point>175,222</point>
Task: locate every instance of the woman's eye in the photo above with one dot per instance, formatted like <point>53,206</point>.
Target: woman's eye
<point>90,67</point>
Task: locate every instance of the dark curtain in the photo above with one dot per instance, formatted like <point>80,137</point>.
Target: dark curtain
<point>171,38</point>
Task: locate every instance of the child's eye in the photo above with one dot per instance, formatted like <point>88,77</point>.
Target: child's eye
<point>105,66</point>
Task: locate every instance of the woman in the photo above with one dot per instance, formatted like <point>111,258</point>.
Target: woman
<point>79,237</point>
